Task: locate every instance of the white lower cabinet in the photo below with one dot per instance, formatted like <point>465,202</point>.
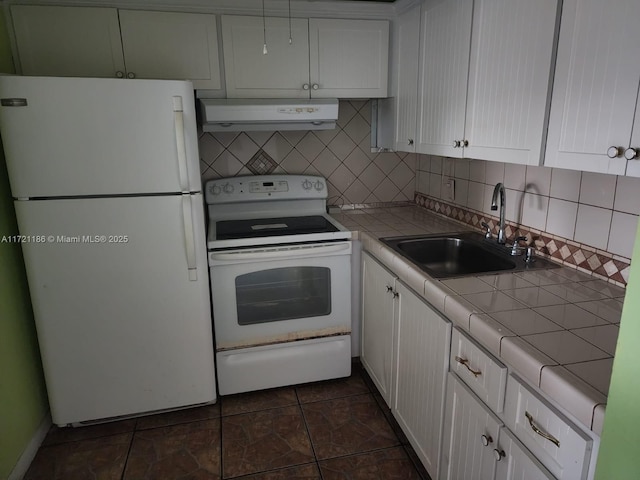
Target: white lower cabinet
<point>422,345</point>
<point>477,446</point>
<point>470,435</point>
<point>376,351</point>
<point>405,350</point>
<point>516,462</point>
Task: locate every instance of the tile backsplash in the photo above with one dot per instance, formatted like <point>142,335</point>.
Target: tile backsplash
<point>343,156</point>
<point>585,219</point>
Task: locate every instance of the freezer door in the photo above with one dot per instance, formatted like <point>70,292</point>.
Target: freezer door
<point>98,136</point>
<point>123,326</point>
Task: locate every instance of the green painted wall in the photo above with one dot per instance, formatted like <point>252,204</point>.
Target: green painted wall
<point>619,457</point>
<point>23,399</point>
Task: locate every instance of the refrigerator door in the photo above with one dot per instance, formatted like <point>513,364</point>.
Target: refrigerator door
<point>98,136</point>
<point>123,326</point>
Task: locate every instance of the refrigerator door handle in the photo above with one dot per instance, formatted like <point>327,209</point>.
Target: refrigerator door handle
<point>178,123</point>
<point>189,238</point>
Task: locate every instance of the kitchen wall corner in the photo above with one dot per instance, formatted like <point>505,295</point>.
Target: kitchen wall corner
<point>583,219</point>
<point>343,156</point>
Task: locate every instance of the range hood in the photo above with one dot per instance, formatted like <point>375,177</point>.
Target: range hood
<point>233,115</point>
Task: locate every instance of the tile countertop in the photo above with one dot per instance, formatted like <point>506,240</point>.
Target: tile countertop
<point>557,328</point>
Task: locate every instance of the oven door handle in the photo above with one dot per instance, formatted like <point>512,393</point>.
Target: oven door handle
<point>288,252</point>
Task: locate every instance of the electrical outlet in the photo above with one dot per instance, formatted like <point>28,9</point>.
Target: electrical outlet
<point>448,189</point>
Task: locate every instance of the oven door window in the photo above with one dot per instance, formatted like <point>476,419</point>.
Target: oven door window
<point>282,294</point>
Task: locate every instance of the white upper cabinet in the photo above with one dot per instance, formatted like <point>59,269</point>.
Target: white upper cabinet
<point>485,78</point>
<point>171,46</point>
<point>92,42</point>
<point>510,73</point>
<point>348,58</point>
<point>68,41</point>
<point>282,72</point>
<point>407,41</point>
<point>444,68</point>
<point>326,57</point>
<point>595,92</point>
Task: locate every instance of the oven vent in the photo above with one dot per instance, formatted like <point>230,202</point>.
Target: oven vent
<point>234,115</point>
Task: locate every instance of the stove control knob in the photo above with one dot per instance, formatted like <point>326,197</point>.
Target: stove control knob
<point>319,185</point>
<point>228,188</point>
<point>215,189</point>
<point>307,185</point>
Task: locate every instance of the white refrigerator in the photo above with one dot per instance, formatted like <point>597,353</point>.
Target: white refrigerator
<point>106,181</point>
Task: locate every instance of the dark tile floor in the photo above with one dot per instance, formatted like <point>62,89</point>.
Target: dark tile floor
<point>338,429</point>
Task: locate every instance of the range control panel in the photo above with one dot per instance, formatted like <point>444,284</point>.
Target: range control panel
<point>265,187</point>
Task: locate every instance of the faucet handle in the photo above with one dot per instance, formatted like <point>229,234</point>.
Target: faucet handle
<point>515,248</point>
<point>487,234</point>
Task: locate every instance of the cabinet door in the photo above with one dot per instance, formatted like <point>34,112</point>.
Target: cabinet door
<point>172,46</point>
<point>422,346</point>
<point>595,86</point>
<point>444,64</point>
<point>408,51</point>
<point>68,41</point>
<point>470,436</point>
<point>509,79</point>
<point>377,324</point>
<point>282,72</point>
<point>633,165</point>
<point>518,463</point>
<point>348,58</point>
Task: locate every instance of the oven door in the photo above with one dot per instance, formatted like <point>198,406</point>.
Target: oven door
<point>278,294</point>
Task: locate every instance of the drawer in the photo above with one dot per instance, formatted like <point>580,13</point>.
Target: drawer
<point>478,369</point>
<point>553,439</point>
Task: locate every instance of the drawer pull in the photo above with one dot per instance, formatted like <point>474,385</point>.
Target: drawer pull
<point>465,362</point>
<point>535,428</point>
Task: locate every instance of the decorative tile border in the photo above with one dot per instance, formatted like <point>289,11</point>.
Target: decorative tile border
<point>609,267</point>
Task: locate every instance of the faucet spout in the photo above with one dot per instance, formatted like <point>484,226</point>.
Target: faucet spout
<point>499,191</point>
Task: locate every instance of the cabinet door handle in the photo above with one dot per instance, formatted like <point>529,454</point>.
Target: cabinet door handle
<point>457,143</point>
<point>498,454</point>
<point>631,153</point>
<point>410,141</point>
<point>536,429</point>
<point>465,143</point>
<point>305,86</point>
<point>315,86</point>
<point>389,289</point>
<point>119,74</point>
<point>131,75</point>
<point>465,362</point>
<point>396,294</point>
<point>614,152</point>
<point>486,440</point>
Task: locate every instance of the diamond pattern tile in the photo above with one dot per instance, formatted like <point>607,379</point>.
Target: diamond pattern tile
<point>261,164</point>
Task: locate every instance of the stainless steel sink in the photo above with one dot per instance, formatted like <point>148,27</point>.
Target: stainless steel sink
<point>459,254</point>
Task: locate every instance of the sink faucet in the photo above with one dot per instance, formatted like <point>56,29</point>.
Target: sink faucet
<point>499,189</point>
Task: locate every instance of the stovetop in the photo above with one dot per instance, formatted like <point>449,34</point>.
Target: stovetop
<point>269,210</point>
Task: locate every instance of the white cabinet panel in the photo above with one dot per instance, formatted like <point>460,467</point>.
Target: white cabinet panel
<point>348,58</point>
<point>282,72</point>
<point>68,41</point>
<point>518,463</point>
<point>470,436</point>
<point>406,97</point>
<point>422,350</point>
<point>479,370</point>
<point>172,46</point>
<point>552,438</point>
<point>509,79</point>
<point>595,86</point>
<point>377,324</point>
<point>444,63</point>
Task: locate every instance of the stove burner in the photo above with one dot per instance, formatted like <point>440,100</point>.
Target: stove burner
<point>267,227</point>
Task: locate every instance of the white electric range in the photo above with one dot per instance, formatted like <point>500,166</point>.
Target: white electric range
<point>280,282</point>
